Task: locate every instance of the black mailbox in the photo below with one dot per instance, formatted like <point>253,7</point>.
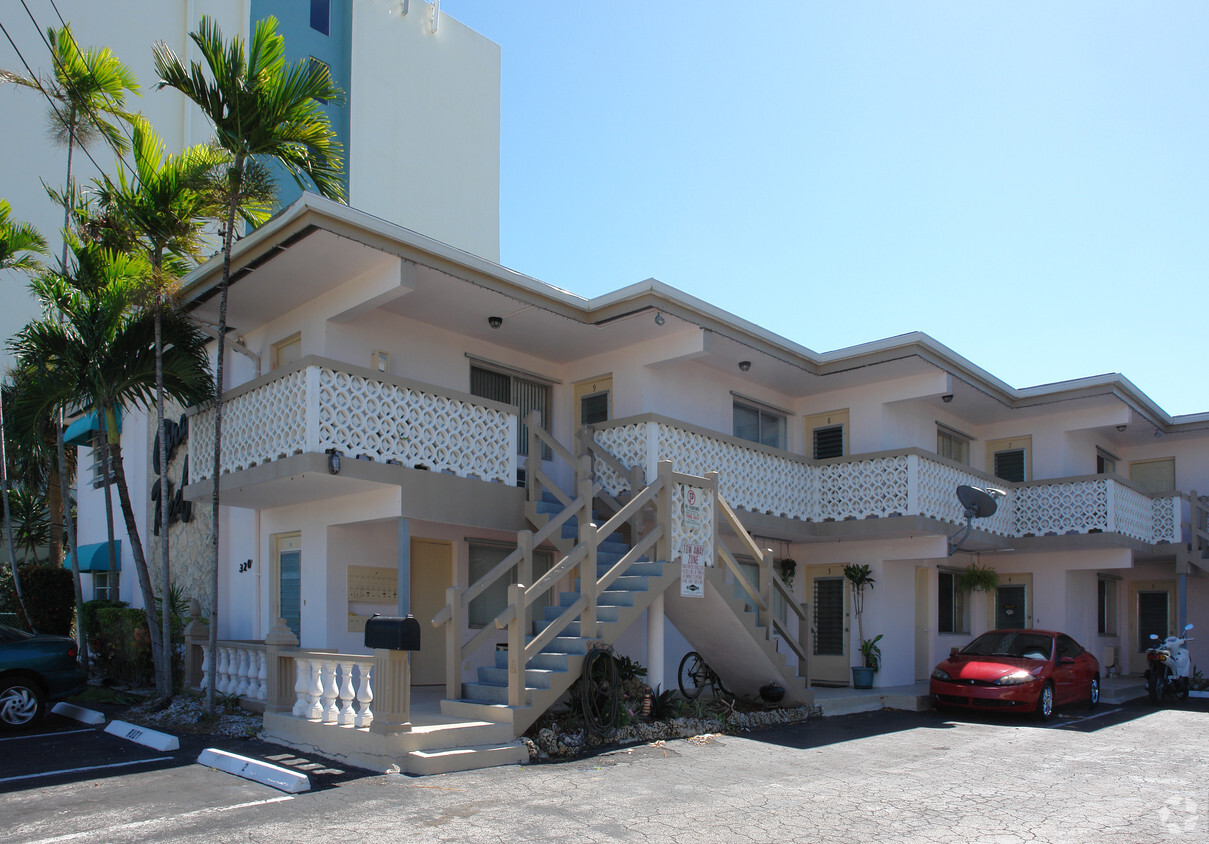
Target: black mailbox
<point>392,633</point>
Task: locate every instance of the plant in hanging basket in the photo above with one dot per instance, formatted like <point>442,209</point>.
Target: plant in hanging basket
<point>975,577</point>
<point>787,568</point>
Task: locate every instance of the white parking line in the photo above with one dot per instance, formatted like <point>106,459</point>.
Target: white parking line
<point>137,824</point>
<point>1100,714</point>
<point>87,768</point>
<point>45,735</point>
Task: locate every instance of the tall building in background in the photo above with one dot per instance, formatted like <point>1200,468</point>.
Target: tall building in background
<point>420,122</point>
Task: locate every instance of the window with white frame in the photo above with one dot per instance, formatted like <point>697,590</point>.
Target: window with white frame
<point>484,556</point>
<point>102,589</point>
<point>759,424</point>
<point>512,388</point>
<point>1106,624</point>
<point>952,444</point>
<point>97,471</point>
<point>1106,462</point>
<point>951,613</point>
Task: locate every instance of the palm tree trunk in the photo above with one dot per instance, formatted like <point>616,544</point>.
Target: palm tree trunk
<point>158,651</point>
<point>236,177</point>
<point>165,573</point>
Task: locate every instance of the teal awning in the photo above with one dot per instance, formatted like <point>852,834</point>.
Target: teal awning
<point>96,557</point>
<point>80,431</point>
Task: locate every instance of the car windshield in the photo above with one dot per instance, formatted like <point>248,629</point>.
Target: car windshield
<point>1011,643</point>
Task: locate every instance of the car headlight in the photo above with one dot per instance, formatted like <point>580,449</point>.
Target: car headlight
<point>941,674</point>
<point>1015,678</point>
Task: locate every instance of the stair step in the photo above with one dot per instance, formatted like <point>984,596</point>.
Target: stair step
<point>554,662</point>
<point>453,759</point>
<point>626,583</point>
<point>535,678</point>
<point>488,693</point>
<point>552,613</point>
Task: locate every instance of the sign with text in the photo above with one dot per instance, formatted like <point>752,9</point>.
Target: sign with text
<point>692,579</point>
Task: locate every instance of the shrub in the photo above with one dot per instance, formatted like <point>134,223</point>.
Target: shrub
<point>121,645</point>
<point>50,598</point>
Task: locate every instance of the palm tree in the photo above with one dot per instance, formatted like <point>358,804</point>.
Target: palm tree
<point>163,205</point>
<point>100,358</point>
<point>19,244</point>
<point>260,108</point>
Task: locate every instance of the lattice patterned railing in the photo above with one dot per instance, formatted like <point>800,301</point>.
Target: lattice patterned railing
<point>319,406</point>
<point>878,486</point>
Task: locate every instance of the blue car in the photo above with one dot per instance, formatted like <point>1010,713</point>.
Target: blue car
<point>35,669</point>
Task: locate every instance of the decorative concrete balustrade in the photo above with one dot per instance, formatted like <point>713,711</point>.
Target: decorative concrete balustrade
<point>315,405</point>
<point>911,482</point>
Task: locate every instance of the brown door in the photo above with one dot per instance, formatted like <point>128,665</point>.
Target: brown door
<point>431,575</point>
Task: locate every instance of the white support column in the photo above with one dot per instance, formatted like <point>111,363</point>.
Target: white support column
<point>654,644</point>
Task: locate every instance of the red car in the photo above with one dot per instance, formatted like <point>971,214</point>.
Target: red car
<point>1025,670</point>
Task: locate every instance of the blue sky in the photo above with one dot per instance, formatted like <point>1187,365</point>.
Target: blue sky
<point>1026,182</point>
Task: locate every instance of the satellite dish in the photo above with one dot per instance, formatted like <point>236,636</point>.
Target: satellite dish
<point>979,503</point>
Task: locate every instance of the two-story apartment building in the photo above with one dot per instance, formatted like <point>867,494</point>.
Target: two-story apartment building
<point>376,455</point>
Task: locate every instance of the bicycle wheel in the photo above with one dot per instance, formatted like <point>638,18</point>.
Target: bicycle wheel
<point>692,675</point>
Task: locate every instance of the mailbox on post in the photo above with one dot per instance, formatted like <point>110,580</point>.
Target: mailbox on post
<point>392,633</point>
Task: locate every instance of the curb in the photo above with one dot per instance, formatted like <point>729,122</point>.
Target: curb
<point>291,782</point>
<point>143,735</point>
<point>79,713</point>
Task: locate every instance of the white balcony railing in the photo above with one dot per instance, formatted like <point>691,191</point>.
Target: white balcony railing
<point>315,405</point>
<point>906,483</point>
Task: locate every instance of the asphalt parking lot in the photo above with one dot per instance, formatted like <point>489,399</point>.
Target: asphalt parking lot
<point>1119,774</point>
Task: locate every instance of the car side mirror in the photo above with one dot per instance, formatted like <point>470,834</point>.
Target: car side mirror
<point>953,651</point>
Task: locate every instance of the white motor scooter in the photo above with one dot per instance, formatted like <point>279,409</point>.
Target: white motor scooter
<point>1170,668</point>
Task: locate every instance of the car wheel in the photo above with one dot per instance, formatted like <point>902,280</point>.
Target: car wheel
<point>1093,693</point>
<point>1045,702</point>
<point>21,703</point>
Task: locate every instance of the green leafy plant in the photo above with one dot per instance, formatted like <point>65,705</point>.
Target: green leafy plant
<point>49,598</point>
<point>787,568</point>
<point>665,705</point>
<point>871,653</point>
<point>975,577</point>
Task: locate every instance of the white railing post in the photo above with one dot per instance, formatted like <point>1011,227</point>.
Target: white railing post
<point>392,690</point>
<point>365,697</point>
<point>314,691</point>
<point>1110,498</point>
<point>453,643</point>
<point>651,463</point>
<point>914,505</point>
<point>347,715</point>
<point>311,380</point>
<point>330,693</point>
<point>765,615</point>
<point>302,685</point>
<point>516,646</point>
<point>588,577</point>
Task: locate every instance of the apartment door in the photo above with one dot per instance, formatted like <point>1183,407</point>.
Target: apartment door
<point>1153,605</point>
<point>431,575</point>
<point>829,664</point>
<point>287,581</point>
<point>1012,602</point>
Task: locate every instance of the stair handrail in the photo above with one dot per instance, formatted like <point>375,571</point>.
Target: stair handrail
<point>535,478</point>
<point>770,582</point>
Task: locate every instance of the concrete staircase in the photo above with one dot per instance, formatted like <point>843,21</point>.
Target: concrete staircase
<point>549,674</point>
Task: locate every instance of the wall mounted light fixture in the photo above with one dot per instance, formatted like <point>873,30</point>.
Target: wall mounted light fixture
<point>659,320</point>
<point>333,461</point>
<point>946,398</point>
<point>1121,429</point>
<point>495,321</point>
<point>744,365</point>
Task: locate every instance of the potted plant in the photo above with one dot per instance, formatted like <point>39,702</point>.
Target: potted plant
<point>860,578</point>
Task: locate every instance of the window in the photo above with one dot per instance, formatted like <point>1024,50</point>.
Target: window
<point>484,556</point>
<point>1068,647</point>
<point>759,424</point>
<point>102,590</point>
<point>827,434</point>
<point>317,64</point>
<point>526,394</point>
<point>592,400</point>
<point>321,16</point>
<point>1154,475</point>
<point>97,470</point>
<point>1011,459</point>
<point>286,351</point>
<point>1106,464</point>
<point>1107,607</point>
<point>953,445</point>
<point>950,604</point>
